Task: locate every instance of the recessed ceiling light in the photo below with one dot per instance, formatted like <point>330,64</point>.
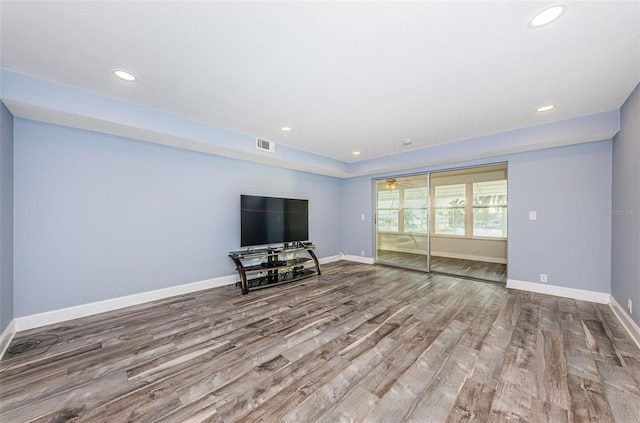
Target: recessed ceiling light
<point>407,141</point>
<point>547,15</point>
<point>356,153</point>
<point>285,129</point>
<point>125,75</point>
<point>545,108</point>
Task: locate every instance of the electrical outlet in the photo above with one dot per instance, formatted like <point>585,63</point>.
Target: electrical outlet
<point>362,253</point>
<point>362,217</point>
<point>543,277</point>
<point>629,305</point>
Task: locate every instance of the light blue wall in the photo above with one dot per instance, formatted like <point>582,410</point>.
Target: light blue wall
<point>83,109</point>
<point>569,187</point>
<point>357,199</point>
<point>625,253</point>
<point>98,216</point>
<point>61,104</point>
<point>6,217</point>
<point>600,126</point>
<point>358,196</point>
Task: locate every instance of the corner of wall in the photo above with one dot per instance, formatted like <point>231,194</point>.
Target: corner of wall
<point>6,218</point>
<point>625,208</point>
<point>560,291</point>
<point>6,337</point>
<point>632,328</point>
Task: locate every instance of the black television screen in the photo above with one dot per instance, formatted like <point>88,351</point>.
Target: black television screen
<point>269,220</point>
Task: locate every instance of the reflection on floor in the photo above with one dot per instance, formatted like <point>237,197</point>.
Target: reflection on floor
<point>476,269</point>
<point>403,259</point>
<point>471,268</point>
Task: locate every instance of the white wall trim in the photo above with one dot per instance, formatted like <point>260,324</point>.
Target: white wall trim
<point>488,259</point>
<point>422,252</point>
<point>358,259</point>
<point>560,291</point>
<point>7,337</point>
<point>632,328</point>
<point>330,259</point>
<point>56,316</point>
<point>61,315</point>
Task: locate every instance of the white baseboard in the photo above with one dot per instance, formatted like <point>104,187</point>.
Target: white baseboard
<point>330,259</point>
<point>422,252</point>
<point>487,259</point>
<point>7,337</point>
<point>358,259</point>
<point>560,291</point>
<point>61,315</point>
<point>632,328</point>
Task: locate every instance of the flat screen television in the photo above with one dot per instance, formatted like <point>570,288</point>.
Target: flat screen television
<point>270,220</point>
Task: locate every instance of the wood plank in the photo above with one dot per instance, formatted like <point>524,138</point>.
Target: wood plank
<point>622,392</point>
<point>321,401</point>
<point>440,396</point>
<point>482,318</point>
<point>632,364</point>
<point>515,388</point>
<point>297,391</point>
<point>380,380</point>
<point>549,314</point>
<point>404,392</point>
<point>358,343</point>
<point>588,401</point>
<point>579,360</point>
<point>473,403</point>
<point>353,408</point>
<point>551,380</point>
<point>542,411</point>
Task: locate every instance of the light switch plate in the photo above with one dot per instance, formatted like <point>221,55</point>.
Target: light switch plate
<point>533,215</point>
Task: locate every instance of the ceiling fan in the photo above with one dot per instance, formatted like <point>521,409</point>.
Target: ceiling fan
<point>393,183</point>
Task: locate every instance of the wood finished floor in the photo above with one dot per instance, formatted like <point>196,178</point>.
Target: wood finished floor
<point>470,268</point>
<point>360,343</point>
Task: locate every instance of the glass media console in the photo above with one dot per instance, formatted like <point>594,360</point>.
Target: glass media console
<point>263,267</point>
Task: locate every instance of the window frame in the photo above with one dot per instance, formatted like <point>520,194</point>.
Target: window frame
<point>469,213</point>
<point>400,210</point>
<point>462,207</point>
<point>379,209</point>
<point>502,205</point>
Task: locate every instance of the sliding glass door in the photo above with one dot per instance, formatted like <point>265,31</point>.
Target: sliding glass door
<point>469,226</point>
<point>452,221</point>
<point>402,221</point>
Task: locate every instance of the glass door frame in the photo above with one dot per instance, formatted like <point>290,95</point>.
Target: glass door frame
<point>427,235</point>
<point>458,177</point>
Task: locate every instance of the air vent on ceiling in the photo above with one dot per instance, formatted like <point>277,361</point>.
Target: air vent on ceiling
<point>265,145</point>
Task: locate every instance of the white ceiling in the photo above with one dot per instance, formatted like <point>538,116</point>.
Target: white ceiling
<point>344,75</point>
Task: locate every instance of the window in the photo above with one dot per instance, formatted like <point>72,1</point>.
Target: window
<point>415,210</point>
<point>490,209</point>
<point>403,209</point>
<point>474,209</point>
<point>388,208</point>
<point>450,209</point>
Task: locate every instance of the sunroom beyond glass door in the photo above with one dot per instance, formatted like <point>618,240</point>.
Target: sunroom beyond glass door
<point>402,221</point>
<point>469,222</point>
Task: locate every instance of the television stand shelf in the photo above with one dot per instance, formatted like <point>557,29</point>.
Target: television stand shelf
<point>273,266</point>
